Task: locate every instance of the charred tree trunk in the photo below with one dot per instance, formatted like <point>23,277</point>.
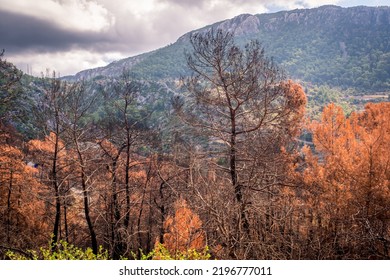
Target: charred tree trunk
<point>83,178</point>
<point>9,207</point>
<point>243,223</point>
<point>127,183</point>
<point>117,239</point>
<point>54,179</point>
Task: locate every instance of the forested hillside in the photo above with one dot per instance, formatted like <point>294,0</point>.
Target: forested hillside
<point>229,162</point>
<point>330,45</point>
<point>339,55</point>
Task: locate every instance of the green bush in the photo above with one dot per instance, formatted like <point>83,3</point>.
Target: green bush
<point>63,251</point>
<point>160,252</point>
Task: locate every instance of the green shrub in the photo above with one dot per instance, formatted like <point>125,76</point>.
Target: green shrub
<point>160,252</point>
<point>64,251</point>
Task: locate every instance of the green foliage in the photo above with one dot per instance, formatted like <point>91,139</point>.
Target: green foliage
<point>319,96</point>
<point>160,252</point>
<point>64,251</point>
<point>167,62</point>
<point>10,88</point>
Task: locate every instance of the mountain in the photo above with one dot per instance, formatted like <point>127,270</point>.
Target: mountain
<point>329,45</point>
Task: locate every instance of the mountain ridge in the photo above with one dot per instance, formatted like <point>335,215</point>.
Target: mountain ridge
<point>302,41</point>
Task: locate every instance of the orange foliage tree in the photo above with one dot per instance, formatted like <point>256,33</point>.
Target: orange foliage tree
<point>183,230</point>
<point>50,155</point>
<point>22,207</point>
<point>347,180</point>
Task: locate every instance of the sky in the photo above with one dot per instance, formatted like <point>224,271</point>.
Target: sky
<point>68,36</point>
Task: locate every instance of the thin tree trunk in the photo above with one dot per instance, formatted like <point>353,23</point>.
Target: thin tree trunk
<point>86,200</point>
<point>162,212</point>
<point>142,206</point>
<point>233,174</point>
<point>116,235</point>
<point>9,208</point>
<point>127,182</point>
<point>66,223</point>
<point>56,190</point>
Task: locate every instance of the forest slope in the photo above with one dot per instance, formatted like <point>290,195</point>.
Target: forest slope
<point>330,45</point>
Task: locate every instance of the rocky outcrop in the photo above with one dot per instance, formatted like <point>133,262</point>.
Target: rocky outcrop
<point>241,25</point>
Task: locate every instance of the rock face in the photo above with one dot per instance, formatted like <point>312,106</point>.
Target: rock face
<point>325,16</point>
<point>331,15</point>
<point>302,40</point>
<point>241,25</point>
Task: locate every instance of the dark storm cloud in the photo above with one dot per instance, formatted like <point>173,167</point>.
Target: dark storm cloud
<point>21,33</point>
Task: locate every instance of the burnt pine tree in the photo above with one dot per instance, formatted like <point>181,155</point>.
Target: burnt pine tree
<point>79,136</point>
<point>238,97</point>
<point>123,130</point>
<point>48,118</point>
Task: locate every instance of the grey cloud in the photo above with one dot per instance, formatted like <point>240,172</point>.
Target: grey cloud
<point>27,34</point>
<point>20,33</point>
<point>186,3</point>
<point>200,3</point>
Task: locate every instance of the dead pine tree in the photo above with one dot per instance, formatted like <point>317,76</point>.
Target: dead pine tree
<point>241,101</point>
